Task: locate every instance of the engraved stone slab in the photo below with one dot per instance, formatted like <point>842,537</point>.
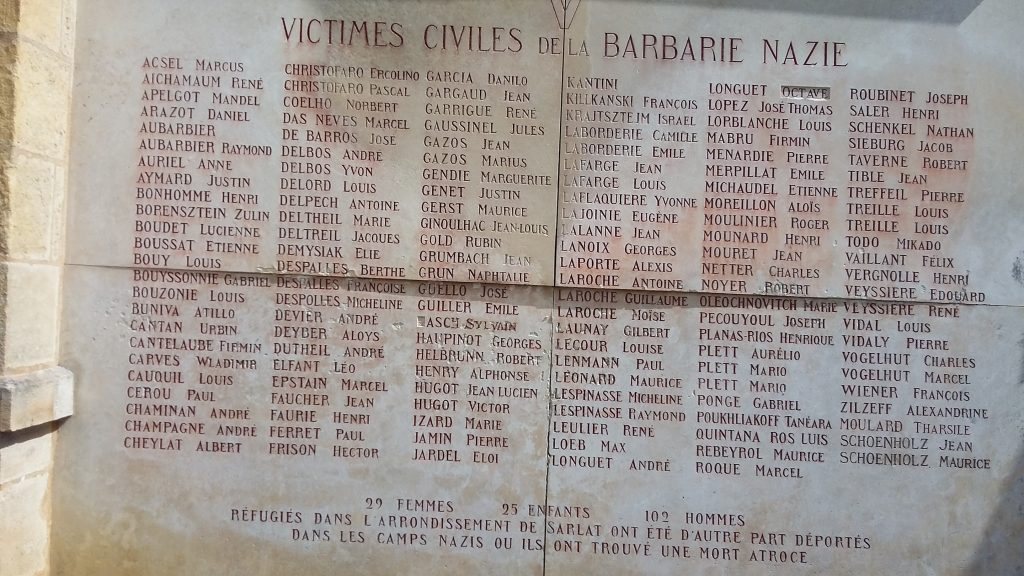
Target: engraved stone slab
<point>333,140</point>
<point>379,424</point>
<point>833,166</point>
<point>747,435</point>
<point>375,425</point>
<point>785,153</point>
<point>543,287</point>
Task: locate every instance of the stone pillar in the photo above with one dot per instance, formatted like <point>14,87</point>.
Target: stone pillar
<point>36,48</point>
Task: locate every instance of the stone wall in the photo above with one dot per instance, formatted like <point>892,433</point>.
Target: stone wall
<point>544,287</point>
<point>36,48</point>
<point>896,447</point>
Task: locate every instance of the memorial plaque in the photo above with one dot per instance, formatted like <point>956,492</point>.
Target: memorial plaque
<point>790,165</point>
<point>375,419</point>
<point>544,287</point>
<point>758,434</point>
<point>370,143</point>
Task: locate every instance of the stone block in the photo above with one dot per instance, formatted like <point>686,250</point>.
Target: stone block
<point>41,21</point>
<point>8,64</point>
<point>57,213</point>
<point>24,453</point>
<point>9,15</point>
<point>25,526</point>
<point>31,185</point>
<point>36,398</point>
<point>30,309</point>
<point>543,287</point>
<point>41,100</point>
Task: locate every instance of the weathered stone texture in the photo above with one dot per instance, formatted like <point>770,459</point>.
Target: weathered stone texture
<point>36,46</point>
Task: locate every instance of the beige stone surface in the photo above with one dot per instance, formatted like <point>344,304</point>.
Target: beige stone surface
<point>25,453</point>
<point>34,209</point>
<point>707,433</point>
<point>805,244</point>
<point>414,412</point>
<point>31,310</point>
<point>41,21</point>
<point>397,162</point>
<point>25,525</point>
<point>250,421</point>
<point>35,75</point>
<point>69,14</point>
<point>821,437</point>
<point>41,95</point>
<point>35,398</point>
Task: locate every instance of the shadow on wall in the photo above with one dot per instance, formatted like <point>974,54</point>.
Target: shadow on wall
<point>1002,548</point>
<point>936,11</point>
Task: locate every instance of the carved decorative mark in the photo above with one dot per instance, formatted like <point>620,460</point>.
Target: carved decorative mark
<point>565,12</point>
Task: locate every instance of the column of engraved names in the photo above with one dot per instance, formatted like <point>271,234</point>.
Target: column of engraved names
<point>327,378</point>
<point>909,180</point>
<point>186,217</point>
<point>384,110</point>
<point>939,186</point>
<point>805,339</point>
<point>231,367</point>
<point>599,137</point>
<point>157,416</point>
<point>478,177</point>
<point>359,364</point>
<point>164,194</point>
<point>943,408</point>
<point>509,180</point>
<point>235,105</point>
<point>616,361</point>
<point>341,130</point>
<point>300,350</point>
<point>735,404</point>
<point>234,110</point>
<point>624,194</point>
<point>654,348</point>
<point>189,365</point>
<point>661,179</point>
<point>478,368</point>
<point>444,354</point>
<point>809,184</point>
<point>586,403</point>
<point>740,212</point>
<point>309,233</point>
<point>751,394</point>
<point>909,158</point>
<point>946,405</point>
<point>907,394</point>
<point>875,370</point>
<point>780,194</point>
<point>877,203</point>
<point>193,194</point>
